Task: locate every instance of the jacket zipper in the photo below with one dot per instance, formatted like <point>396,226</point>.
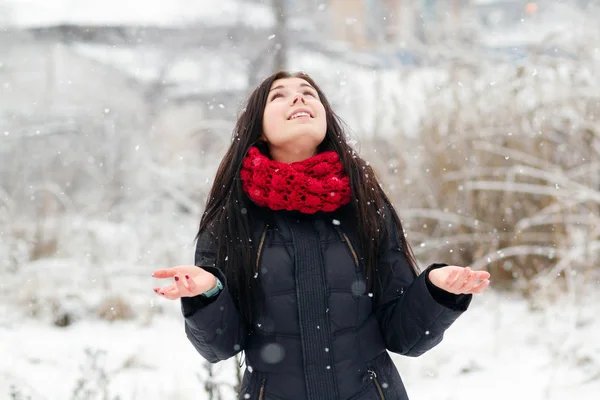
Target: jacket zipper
<point>349,244</point>
<point>261,393</point>
<point>372,374</point>
<point>260,247</point>
<point>373,377</point>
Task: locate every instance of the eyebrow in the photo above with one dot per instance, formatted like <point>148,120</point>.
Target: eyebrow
<point>301,85</point>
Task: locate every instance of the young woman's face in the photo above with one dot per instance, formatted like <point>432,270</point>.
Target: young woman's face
<point>294,121</point>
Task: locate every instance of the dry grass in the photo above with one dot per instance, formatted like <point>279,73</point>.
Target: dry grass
<point>505,174</point>
<point>114,308</point>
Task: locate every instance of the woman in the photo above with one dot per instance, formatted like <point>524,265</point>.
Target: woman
<point>303,261</point>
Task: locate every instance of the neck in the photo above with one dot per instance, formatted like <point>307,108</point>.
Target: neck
<point>291,156</point>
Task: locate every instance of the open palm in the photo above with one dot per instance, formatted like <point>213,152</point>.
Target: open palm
<point>459,280</point>
<point>189,281</point>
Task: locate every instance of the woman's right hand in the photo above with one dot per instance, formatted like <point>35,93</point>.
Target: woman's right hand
<point>189,281</point>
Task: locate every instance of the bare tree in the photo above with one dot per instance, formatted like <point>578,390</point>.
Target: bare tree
<point>279,9</point>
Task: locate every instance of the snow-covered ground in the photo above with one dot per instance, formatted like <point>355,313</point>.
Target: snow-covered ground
<point>500,349</point>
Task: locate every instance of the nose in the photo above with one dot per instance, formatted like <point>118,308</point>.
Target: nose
<point>297,97</point>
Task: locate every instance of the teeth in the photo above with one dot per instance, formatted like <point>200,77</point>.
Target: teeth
<point>300,114</point>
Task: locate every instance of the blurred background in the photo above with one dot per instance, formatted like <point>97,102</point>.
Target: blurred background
<point>481,117</point>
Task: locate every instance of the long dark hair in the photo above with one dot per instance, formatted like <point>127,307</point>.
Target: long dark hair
<point>227,220</point>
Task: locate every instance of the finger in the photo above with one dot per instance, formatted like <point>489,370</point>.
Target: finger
<point>191,284</point>
<point>173,294</point>
<point>470,283</point>
<point>165,273</point>
<point>482,275</point>
<point>163,292</point>
<point>467,283</point>
<point>181,285</point>
<point>461,279</point>
<point>165,289</point>
<point>481,287</point>
<point>160,292</point>
<point>452,276</point>
<point>169,289</point>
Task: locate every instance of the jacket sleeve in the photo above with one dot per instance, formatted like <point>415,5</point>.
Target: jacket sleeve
<point>213,325</point>
<point>412,313</point>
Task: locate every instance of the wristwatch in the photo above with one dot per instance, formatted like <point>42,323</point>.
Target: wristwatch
<point>214,290</point>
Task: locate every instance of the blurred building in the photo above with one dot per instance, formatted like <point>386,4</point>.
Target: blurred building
<point>371,23</point>
<point>368,24</point>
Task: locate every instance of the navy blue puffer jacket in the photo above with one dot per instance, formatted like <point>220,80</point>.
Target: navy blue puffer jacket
<point>321,337</point>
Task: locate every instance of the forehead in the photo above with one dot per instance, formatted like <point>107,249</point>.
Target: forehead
<point>290,83</point>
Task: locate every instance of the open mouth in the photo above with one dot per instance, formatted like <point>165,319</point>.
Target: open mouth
<point>300,114</point>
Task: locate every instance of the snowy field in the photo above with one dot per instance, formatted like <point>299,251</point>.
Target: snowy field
<point>500,349</point>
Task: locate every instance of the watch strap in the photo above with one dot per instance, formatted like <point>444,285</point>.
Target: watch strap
<point>215,290</point>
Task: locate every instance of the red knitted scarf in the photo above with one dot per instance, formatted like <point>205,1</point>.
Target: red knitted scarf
<point>318,183</point>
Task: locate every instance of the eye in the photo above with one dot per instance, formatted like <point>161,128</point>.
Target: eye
<point>310,93</point>
<point>276,95</point>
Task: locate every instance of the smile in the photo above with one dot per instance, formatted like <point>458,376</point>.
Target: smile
<point>300,114</point>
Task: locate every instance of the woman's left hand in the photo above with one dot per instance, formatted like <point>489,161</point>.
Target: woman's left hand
<point>459,280</point>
